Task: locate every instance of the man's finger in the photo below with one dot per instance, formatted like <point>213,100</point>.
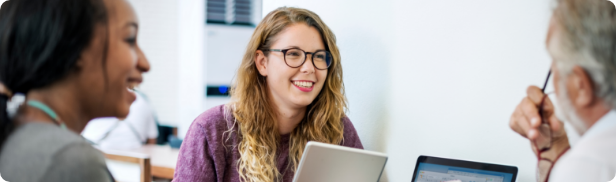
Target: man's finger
<point>523,122</point>
<point>530,112</point>
<point>548,107</point>
<point>513,123</point>
<point>535,94</point>
<point>557,126</point>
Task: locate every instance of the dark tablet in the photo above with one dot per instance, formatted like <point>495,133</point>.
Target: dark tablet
<point>434,169</point>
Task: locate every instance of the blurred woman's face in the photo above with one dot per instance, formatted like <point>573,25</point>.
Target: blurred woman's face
<point>294,87</point>
<point>107,77</point>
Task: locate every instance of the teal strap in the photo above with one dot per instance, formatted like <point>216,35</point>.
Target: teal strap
<point>47,110</point>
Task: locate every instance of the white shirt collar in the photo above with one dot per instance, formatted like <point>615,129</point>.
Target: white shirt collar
<point>606,122</point>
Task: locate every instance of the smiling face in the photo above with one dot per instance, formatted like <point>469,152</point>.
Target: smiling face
<point>105,77</point>
<point>293,87</point>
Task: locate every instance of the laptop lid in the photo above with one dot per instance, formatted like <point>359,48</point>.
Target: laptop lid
<point>332,163</point>
<point>434,169</point>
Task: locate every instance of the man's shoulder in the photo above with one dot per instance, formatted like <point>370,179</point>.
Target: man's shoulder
<point>593,156</point>
<point>600,147</point>
<point>576,167</point>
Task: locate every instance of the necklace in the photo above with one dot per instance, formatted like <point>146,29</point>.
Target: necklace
<point>47,110</point>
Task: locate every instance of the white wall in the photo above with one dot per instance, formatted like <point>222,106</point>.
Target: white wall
<point>225,50</point>
<point>462,67</point>
<point>226,45</point>
<point>186,55</point>
<point>438,78</point>
<point>171,36</point>
<point>158,36</point>
<point>191,46</point>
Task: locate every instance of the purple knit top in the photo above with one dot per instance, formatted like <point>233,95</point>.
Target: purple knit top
<point>207,155</point>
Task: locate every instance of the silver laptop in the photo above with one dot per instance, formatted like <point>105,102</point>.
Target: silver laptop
<point>332,163</point>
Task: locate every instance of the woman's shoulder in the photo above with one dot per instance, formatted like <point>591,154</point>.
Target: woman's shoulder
<point>351,138</point>
<point>215,120</point>
<point>349,128</point>
<point>346,121</point>
<point>78,161</point>
<point>36,135</point>
<point>34,149</point>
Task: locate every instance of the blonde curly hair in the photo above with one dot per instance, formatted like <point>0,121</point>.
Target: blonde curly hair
<point>257,126</point>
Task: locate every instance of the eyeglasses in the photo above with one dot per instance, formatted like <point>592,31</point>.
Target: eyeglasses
<point>295,57</point>
<point>544,141</point>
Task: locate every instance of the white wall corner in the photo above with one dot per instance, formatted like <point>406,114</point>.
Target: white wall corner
<point>191,59</point>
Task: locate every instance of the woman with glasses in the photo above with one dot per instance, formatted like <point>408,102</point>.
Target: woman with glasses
<point>75,60</point>
<point>288,91</point>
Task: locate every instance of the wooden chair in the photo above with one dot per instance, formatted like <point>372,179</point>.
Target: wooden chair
<point>164,159</point>
<point>143,160</point>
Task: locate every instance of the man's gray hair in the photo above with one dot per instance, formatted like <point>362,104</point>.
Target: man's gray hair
<point>589,32</point>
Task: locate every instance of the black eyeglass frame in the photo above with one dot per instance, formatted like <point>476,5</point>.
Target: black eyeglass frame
<point>545,128</point>
<point>284,54</point>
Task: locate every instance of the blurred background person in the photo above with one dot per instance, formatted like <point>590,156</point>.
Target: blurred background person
<point>137,129</point>
<point>75,60</point>
<point>581,41</point>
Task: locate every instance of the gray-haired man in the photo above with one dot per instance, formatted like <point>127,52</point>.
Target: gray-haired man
<point>582,43</point>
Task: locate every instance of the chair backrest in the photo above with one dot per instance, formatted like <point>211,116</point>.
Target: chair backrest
<point>124,165</point>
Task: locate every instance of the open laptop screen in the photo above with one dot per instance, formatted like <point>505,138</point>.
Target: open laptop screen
<point>432,169</point>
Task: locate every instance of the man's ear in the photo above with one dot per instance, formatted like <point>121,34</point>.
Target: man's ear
<point>261,62</point>
<point>585,86</point>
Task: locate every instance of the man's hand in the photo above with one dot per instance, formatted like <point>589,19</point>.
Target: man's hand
<point>526,121</point>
